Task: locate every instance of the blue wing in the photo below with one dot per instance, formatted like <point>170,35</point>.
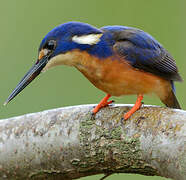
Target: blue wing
<point>143,52</point>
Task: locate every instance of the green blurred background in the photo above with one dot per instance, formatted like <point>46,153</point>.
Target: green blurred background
<point>24,23</point>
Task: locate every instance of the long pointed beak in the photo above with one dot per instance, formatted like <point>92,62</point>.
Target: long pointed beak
<point>28,78</point>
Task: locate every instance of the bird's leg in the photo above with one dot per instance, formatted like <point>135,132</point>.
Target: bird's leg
<point>104,102</point>
<point>135,107</point>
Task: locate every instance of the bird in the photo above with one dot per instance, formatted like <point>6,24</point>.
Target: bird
<point>118,60</point>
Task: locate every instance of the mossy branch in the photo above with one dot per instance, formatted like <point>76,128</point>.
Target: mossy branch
<point>67,143</point>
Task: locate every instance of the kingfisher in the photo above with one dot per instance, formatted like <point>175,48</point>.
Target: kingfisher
<point>118,60</point>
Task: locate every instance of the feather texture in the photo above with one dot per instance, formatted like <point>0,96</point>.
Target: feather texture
<point>142,51</point>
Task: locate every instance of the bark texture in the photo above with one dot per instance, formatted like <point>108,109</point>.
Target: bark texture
<point>68,143</point>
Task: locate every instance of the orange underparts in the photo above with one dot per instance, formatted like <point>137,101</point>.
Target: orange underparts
<point>104,102</point>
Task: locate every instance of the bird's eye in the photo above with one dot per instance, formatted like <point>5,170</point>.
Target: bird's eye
<point>50,45</point>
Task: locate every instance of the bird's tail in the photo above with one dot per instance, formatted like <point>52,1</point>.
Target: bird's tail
<point>171,100</point>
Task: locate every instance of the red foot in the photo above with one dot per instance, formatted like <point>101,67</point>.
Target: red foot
<point>104,102</point>
<point>135,107</point>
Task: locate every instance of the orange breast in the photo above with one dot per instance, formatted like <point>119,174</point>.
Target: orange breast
<point>116,77</point>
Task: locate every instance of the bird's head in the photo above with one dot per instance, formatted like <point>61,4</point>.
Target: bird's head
<point>57,48</point>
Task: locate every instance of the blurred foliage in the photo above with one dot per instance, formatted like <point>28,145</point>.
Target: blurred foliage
<point>24,23</point>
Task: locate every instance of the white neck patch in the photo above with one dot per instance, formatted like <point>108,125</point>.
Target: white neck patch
<point>90,39</point>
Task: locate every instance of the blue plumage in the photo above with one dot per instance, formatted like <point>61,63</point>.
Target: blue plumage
<point>67,30</point>
<point>111,57</point>
<point>143,44</point>
<point>142,51</point>
<point>63,33</point>
<point>139,48</point>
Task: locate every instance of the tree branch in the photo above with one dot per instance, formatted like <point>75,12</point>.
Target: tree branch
<point>68,143</point>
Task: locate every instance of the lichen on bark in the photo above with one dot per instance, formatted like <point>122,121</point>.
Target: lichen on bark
<point>109,149</point>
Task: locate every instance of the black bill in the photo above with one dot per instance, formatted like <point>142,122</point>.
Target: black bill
<point>28,78</point>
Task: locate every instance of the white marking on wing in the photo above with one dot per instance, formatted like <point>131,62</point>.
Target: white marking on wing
<point>90,39</point>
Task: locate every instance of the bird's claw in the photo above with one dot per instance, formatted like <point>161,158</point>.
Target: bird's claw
<point>92,114</point>
<point>104,102</point>
<point>96,109</point>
